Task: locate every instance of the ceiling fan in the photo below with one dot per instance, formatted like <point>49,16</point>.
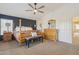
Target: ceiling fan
<point>35,8</point>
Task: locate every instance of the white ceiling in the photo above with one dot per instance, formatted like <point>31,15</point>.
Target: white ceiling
<point>18,9</point>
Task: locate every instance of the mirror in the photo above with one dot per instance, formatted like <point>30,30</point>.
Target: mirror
<point>52,23</point>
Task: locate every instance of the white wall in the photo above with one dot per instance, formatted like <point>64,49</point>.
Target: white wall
<point>63,18</point>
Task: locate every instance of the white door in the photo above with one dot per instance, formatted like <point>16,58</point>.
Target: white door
<point>6,25</point>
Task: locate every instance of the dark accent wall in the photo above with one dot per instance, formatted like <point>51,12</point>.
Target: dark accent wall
<point>25,22</point>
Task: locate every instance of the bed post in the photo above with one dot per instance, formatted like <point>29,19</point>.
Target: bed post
<point>20,30</point>
<point>20,24</point>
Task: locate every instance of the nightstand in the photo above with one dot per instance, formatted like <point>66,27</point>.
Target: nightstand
<point>7,36</point>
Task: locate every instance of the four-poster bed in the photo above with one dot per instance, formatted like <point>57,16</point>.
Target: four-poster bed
<point>25,34</point>
<point>22,32</point>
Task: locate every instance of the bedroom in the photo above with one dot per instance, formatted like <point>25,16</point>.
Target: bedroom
<point>56,16</point>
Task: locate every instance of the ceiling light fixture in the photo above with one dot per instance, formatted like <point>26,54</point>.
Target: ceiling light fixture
<point>35,11</point>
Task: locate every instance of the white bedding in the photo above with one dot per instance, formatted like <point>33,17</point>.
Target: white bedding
<point>17,31</point>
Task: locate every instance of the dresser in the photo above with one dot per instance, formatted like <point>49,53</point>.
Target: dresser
<point>50,34</point>
<point>7,36</point>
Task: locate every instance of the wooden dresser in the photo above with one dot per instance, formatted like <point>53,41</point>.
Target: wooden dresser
<point>7,36</point>
<point>50,34</point>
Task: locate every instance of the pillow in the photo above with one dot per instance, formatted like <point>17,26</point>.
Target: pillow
<point>34,33</point>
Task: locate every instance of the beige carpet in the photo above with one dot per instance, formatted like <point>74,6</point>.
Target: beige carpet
<point>45,48</point>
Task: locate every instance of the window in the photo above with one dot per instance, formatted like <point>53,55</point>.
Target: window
<point>6,25</point>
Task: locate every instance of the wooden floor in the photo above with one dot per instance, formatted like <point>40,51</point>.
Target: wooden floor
<point>45,48</point>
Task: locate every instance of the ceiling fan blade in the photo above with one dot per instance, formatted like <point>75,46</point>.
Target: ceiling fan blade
<point>28,10</point>
<point>30,5</point>
<point>41,7</point>
<point>40,11</point>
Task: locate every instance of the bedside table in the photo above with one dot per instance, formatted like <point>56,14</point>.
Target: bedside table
<point>7,36</point>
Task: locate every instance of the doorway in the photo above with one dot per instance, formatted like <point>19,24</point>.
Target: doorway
<point>75,33</point>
